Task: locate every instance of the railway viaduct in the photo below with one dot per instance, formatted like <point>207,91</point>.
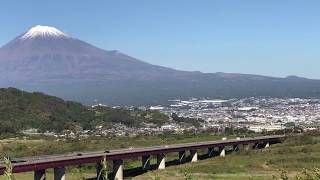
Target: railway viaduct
<point>39,164</point>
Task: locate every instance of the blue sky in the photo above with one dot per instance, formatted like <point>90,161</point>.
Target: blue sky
<point>270,37</point>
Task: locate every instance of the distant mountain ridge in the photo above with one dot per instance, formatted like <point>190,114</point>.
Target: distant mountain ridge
<point>47,60</point>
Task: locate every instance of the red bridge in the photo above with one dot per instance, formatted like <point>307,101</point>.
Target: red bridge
<point>39,164</point>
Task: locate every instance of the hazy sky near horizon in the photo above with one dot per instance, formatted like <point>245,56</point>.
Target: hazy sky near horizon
<point>270,37</point>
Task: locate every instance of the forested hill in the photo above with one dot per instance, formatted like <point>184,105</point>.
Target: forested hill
<point>21,110</point>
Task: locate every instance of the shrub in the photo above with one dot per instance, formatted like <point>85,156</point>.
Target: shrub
<point>8,172</point>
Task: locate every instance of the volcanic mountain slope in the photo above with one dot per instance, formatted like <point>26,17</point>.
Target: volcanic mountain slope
<point>48,60</point>
<point>45,53</point>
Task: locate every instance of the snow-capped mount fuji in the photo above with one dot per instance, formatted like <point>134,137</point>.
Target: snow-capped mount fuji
<point>46,53</point>
<point>43,32</point>
<point>48,40</point>
<point>48,60</point>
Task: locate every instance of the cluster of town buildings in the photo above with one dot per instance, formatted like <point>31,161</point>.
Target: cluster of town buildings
<point>249,114</point>
<point>254,114</point>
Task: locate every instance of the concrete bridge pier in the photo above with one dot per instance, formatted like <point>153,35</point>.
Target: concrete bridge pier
<point>222,151</point>
<point>236,147</point>
<point>182,156</point>
<point>256,146</point>
<point>117,169</point>
<point>246,147</point>
<point>194,155</point>
<point>210,152</point>
<point>40,174</point>
<point>99,169</point>
<point>161,161</point>
<point>59,173</point>
<point>261,145</point>
<point>145,163</point>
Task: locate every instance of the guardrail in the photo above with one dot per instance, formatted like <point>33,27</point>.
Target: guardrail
<point>39,164</point>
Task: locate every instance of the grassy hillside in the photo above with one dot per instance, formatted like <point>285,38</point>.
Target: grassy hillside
<point>298,156</point>
<point>23,110</point>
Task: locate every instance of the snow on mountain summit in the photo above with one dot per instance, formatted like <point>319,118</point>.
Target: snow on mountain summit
<point>43,31</point>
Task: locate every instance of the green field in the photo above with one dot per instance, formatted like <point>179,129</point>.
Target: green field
<point>295,154</point>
